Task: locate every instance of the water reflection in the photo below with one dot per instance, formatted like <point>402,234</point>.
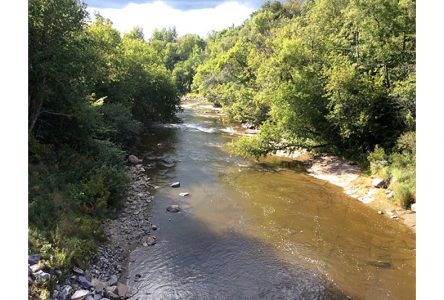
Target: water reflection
<point>196,263</point>
<point>250,231</point>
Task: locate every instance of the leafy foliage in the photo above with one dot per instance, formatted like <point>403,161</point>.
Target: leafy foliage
<point>335,75</point>
<point>90,93</point>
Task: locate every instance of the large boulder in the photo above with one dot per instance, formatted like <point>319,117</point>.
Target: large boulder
<point>99,285</point>
<point>33,259</point>
<point>125,291</point>
<point>112,293</point>
<point>134,159</point>
<point>379,183</point>
<point>37,267</point>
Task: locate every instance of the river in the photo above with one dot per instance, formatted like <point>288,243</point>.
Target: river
<point>258,230</point>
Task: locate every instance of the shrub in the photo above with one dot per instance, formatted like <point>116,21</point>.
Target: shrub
<point>407,142</point>
<point>404,194</point>
<point>121,126</point>
<point>377,159</point>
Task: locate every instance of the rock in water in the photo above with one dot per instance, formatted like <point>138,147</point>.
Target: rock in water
<point>134,159</point>
<point>79,295</point>
<point>184,194</point>
<point>173,208</point>
<point>149,241</point>
<point>153,227</point>
<point>175,184</point>
<point>378,183</point>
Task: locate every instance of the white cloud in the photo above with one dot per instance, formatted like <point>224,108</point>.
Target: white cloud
<point>160,15</point>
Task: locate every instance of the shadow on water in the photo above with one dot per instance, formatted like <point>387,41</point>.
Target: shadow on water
<point>192,262</point>
<point>259,231</point>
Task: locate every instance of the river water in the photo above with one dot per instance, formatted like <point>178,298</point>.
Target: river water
<point>258,231</point>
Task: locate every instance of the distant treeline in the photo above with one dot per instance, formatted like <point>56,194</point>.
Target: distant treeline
<point>327,75</point>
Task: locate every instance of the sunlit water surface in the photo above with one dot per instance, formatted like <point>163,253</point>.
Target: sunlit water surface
<point>258,231</point>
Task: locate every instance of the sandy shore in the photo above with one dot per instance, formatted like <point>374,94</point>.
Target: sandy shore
<point>359,186</point>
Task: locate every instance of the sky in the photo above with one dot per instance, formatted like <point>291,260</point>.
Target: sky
<point>188,16</point>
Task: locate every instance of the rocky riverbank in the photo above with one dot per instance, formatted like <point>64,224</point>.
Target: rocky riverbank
<point>106,277</point>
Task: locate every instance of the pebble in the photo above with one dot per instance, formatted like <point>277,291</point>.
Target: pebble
<point>153,227</point>
<point>84,283</point>
<point>65,293</point>
<point>380,212</point>
<point>80,294</point>
<point>184,194</point>
<point>78,270</point>
<point>175,184</point>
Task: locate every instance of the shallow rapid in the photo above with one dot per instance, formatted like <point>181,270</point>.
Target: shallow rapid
<point>258,231</point>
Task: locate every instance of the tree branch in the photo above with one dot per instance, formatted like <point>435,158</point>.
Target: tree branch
<point>56,113</point>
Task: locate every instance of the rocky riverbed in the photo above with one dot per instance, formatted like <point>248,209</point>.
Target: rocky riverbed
<point>106,277</point>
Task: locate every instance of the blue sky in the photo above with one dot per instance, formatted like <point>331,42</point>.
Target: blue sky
<point>178,4</point>
<point>197,17</point>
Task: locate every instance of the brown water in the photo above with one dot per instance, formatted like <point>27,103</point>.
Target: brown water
<point>259,231</point>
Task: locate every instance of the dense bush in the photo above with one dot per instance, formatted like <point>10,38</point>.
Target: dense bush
<point>399,168</point>
<point>90,92</point>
